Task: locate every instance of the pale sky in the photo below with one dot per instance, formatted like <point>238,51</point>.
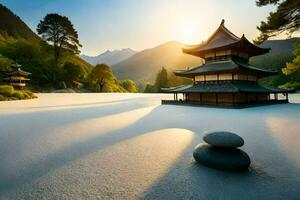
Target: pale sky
<point>139,24</point>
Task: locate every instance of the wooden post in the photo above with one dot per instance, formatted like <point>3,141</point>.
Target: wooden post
<point>232,98</point>
<point>201,97</point>
<point>217,101</point>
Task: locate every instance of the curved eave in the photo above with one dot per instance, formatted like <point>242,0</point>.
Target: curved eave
<point>240,45</point>
<point>224,67</point>
<point>263,72</point>
<point>252,49</point>
<point>23,72</point>
<point>183,74</point>
<point>226,87</point>
<point>19,72</point>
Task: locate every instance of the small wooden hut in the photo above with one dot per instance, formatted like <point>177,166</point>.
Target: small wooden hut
<point>17,77</point>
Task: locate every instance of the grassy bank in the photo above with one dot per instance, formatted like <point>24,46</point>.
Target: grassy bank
<point>9,93</point>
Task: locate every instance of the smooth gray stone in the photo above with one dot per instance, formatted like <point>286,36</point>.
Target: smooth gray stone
<point>221,158</point>
<point>223,139</point>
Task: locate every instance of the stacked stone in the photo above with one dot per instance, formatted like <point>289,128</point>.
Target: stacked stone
<point>221,152</point>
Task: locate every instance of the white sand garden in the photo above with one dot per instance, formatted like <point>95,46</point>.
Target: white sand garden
<point>128,146</point>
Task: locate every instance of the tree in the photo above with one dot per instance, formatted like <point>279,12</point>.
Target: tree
<point>149,88</point>
<point>161,79</point>
<point>129,85</point>
<point>59,31</point>
<point>5,64</point>
<point>101,75</point>
<point>285,19</point>
<point>293,68</point>
<point>72,72</point>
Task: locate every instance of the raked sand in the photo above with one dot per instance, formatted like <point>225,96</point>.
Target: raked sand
<point>128,146</point>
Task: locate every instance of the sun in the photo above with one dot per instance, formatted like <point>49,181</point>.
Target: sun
<point>186,31</point>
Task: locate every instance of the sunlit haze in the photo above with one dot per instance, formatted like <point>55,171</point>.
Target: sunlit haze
<point>140,24</point>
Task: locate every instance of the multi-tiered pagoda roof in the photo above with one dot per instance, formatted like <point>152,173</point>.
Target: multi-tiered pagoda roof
<point>226,77</point>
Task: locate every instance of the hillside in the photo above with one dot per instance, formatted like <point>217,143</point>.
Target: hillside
<point>109,57</point>
<point>17,40</point>
<point>281,53</point>
<point>145,64</point>
<point>12,26</point>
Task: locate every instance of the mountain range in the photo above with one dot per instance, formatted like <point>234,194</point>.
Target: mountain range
<point>109,57</point>
<point>144,65</point>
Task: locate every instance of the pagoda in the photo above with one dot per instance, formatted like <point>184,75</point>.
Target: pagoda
<point>17,77</point>
<point>226,78</point>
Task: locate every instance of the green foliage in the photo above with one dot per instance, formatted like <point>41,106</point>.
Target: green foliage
<point>177,81</point>
<point>29,94</point>
<point>6,90</point>
<point>164,80</point>
<point>2,98</point>
<point>291,85</point>
<point>61,85</point>
<point>161,80</point>
<point>129,85</point>
<point>38,59</point>
<point>72,73</point>
<point>18,94</point>
<point>150,88</point>
<point>59,31</point>
<point>113,87</point>
<point>5,64</point>
<point>9,93</point>
<point>293,68</point>
<point>285,19</point>
<point>33,58</point>
<point>14,27</point>
<point>100,76</point>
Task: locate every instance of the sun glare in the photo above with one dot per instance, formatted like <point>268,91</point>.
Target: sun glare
<point>186,31</point>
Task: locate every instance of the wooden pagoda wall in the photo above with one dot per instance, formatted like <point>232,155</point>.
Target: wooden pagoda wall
<point>227,98</point>
<point>224,77</point>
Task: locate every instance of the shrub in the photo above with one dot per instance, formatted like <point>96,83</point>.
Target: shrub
<point>60,85</point>
<point>2,98</point>
<point>291,85</point>
<point>29,94</point>
<point>26,95</point>
<point>19,94</point>
<point>6,90</point>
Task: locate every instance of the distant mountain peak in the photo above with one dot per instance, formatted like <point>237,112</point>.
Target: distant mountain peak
<point>145,64</point>
<point>110,57</point>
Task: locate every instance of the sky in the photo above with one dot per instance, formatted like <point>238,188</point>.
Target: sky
<point>139,24</point>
